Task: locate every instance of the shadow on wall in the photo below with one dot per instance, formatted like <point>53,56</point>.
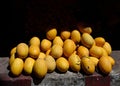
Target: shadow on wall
<point>34,18</point>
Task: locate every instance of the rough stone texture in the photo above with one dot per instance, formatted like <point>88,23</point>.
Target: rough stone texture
<point>61,79</point>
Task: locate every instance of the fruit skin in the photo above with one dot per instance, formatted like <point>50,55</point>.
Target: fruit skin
<point>94,60</point>
<point>68,47</point>
<point>99,41</point>
<point>58,40</point>
<point>87,65</point>
<point>104,65</point>
<point>76,36</point>
<point>45,45</point>
<point>96,51</point>
<point>74,62</point>
<point>40,68</point>
<point>51,64</point>
<point>56,51</point>
<point>51,34</point>
<point>22,50</point>
<point>13,51</point>
<point>62,64</point>
<point>86,30</point>
<point>82,51</point>
<point>34,51</point>
<point>107,47</point>
<point>28,65</point>
<point>34,41</point>
<point>87,40</point>
<point>112,60</point>
<point>42,55</point>
<point>11,59</point>
<point>65,35</point>
<point>17,67</point>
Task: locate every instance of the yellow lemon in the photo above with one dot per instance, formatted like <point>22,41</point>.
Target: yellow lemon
<point>45,45</point>
<point>51,34</point>
<point>28,65</point>
<point>22,50</point>
<point>34,41</point>
<point>40,68</point>
<point>65,35</point>
<point>34,51</point>
<point>17,66</point>
<point>68,47</point>
<point>51,64</point>
<point>62,64</point>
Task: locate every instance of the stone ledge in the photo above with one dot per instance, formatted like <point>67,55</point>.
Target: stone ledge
<point>67,79</point>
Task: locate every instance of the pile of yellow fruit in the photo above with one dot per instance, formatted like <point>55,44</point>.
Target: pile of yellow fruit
<point>75,50</point>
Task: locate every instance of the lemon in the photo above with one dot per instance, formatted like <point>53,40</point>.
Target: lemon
<point>76,36</point>
<point>82,51</point>
<point>87,65</point>
<point>34,41</point>
<point>107,47</point>
<point>51,64</point>
<point>22,50</point>
<point>11,59</point>
<point>17,66</point>
<point>58,40</point>
<point>74,62</point>
<point>68,47</point>
<point>87,40</point>
<point>40,68</point>
<point>51,34</point>
<point>56,51</point>
<point>13,51</point>
<point>41,55</point>
<point>65,35</point>
<point>96,51</point>
<point>104,65</point>
<point>28,65</point>
<point>86,30</point>
<point>45,45</point>
<point>34,51</point>
<point>62,64</point>
<point>99,41</point>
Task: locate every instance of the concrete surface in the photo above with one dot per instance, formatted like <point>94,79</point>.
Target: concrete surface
<point>61,79</point>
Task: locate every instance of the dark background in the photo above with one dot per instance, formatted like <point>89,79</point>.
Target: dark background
<point>26,18</point>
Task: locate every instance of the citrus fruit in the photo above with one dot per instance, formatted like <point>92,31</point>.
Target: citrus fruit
<point>62,64</point>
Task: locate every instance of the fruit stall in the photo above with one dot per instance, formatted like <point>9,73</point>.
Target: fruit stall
<point>62,46</point>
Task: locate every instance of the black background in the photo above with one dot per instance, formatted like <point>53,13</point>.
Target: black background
<point>22,19</point>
